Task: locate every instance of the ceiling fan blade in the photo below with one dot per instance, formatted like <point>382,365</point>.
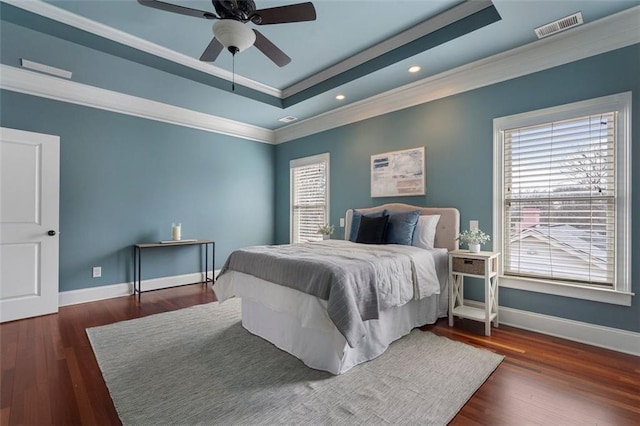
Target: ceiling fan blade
<point>212,51</point>
<point>177,9</point>
<point>270,50</point>
<point>282,14</point>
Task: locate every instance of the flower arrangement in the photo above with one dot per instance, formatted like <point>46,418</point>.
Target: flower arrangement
<point>326,229</point>
<point>475,236</point>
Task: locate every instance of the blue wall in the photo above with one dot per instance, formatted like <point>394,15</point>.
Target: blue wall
<point>457,133</point>
<point>125,180</point>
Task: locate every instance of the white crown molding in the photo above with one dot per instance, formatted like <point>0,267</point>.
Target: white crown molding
<point>93,294</point>
<point>33,83</point>
<point>610,33</point>
<point>441,20</point>
<point>50,11</point>
<point>577,331</point>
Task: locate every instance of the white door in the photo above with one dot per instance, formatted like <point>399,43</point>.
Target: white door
<point>29,187</point>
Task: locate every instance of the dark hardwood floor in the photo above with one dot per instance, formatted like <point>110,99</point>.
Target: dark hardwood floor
<point>50,375</point>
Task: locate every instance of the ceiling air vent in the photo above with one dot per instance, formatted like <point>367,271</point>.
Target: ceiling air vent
<point>58,72</point>
<point>288,119</point>
<point>559,25</point>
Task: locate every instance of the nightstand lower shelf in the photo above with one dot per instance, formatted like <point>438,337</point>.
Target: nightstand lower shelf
<point>473,313</point>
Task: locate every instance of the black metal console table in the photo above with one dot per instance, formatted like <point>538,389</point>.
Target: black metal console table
<point>137,260</point>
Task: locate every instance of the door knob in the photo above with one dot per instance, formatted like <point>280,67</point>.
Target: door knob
<point>51,233</point>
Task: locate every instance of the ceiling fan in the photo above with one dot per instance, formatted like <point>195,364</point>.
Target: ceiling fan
<point>230,31</point>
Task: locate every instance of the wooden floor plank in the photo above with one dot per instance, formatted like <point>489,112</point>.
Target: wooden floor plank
<point>50,375</point>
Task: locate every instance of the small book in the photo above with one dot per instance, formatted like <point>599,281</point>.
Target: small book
<point>177,241</point>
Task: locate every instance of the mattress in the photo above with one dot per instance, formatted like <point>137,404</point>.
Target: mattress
<point>298,323</point>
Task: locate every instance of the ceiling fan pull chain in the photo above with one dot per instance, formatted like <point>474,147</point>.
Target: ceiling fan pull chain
<point>233,72</point>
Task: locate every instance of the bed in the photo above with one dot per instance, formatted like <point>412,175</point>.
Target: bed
<point>307,326</point>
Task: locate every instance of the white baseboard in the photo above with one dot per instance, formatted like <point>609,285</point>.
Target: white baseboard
<point>92,294</point>
<point>591,334</point>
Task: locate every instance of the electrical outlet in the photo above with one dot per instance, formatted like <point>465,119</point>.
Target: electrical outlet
<point>96,272</point>
<point>342,222</point>
<point>473,225</point>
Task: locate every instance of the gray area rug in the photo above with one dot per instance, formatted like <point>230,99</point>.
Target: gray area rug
<point>199,366</point>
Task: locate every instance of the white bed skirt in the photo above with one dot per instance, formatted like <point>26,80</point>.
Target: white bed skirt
<point>298,323</point>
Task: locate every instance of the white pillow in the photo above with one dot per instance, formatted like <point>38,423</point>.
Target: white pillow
<point>425,232</point>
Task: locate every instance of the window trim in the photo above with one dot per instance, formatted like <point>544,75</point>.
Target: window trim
<point>305,161</point>
<point>621,293</point>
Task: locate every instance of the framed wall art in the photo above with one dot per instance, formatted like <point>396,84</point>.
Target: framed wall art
<point>398,173</point>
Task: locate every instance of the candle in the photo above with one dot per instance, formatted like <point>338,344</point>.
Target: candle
<point>175,231</point>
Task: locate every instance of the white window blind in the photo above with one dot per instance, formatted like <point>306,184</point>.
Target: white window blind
<point>309,197</point>
<point>560,200</point>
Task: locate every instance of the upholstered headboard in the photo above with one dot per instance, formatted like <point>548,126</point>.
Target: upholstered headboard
<point>446,232</point>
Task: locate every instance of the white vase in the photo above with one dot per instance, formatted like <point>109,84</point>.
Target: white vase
<point>326,237</point>
<point>474,248</point>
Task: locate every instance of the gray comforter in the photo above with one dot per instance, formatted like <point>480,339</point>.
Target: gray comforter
<point>356,280</point>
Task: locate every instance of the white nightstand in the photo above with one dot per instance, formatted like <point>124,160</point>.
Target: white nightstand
<point>463,263</point>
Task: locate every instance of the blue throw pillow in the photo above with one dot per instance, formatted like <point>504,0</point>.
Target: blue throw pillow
<point>401,226</point>
<point>355,223</point>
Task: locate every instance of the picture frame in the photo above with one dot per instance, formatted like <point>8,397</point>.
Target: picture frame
<point>398,173</point>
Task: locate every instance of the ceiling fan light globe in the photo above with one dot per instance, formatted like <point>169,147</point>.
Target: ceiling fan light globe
<point>233,33</point>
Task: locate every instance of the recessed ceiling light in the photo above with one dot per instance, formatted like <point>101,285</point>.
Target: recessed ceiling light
<point>340,97</point>
<point>414,68</point>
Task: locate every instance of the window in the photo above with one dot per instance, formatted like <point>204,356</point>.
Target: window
<point>561,214</point>
<point>309,197</point>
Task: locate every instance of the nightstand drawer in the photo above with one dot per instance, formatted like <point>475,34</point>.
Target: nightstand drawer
<point>468,265</point>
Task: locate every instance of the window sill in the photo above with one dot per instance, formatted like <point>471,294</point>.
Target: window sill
<point>568,290</point>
